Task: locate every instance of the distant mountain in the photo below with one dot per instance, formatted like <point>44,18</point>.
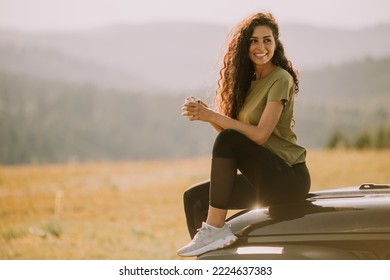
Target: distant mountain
<point>56,65</point>
<point>170,56</point>
<point>364,80</point>
<point>315,47</point>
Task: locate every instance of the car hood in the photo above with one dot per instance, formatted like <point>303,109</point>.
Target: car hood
<point>346,210</point>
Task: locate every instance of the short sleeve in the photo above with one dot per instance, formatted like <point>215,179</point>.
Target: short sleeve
<point>280,90</point>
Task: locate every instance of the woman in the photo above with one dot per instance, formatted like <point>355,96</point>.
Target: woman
<point>255,98</point>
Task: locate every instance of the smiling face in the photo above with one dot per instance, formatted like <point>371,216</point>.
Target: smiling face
<point>262,47</point>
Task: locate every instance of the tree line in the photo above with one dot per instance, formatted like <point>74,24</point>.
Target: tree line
<point>47,121</point>
<point>43,121</point>
<point>378,139</point>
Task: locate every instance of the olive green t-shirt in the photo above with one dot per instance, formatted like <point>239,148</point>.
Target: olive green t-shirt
<point>278,85</point>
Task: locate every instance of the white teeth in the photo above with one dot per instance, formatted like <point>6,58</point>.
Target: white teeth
<point>260,55</point>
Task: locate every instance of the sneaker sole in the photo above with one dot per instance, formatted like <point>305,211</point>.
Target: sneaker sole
<point>218,244</point>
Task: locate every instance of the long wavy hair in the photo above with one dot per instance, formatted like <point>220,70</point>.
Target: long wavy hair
<point>238,70</point>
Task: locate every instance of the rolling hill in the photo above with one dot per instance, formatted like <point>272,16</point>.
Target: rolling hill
<point>170,57</point>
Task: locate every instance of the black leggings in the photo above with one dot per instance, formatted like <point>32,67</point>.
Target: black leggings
<point>265,179</point>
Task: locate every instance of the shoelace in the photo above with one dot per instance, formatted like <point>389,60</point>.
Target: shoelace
<point>201,232</point>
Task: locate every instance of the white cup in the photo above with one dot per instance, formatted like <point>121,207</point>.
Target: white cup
<point>189,100</point>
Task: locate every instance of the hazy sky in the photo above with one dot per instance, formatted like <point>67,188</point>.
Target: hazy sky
<point>50,15</point>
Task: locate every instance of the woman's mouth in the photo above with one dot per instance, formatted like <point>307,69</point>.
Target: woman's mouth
<point>260,55</point>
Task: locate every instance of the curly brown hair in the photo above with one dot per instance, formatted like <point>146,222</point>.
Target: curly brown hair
<point>237,71</point>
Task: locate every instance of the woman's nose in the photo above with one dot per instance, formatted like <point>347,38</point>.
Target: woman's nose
<point>260,45</point>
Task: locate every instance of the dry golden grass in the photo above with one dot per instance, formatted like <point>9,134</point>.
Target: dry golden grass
<point>129,210</point>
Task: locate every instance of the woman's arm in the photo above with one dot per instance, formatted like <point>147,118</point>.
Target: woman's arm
<point>216,127</point>
<point>259,134</point>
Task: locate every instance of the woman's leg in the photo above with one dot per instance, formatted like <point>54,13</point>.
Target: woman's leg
<point>215,233</point>
<point>196,201</point>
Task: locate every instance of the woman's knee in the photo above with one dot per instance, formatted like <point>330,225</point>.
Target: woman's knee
<point>198,192</point>
<point>225,142</point>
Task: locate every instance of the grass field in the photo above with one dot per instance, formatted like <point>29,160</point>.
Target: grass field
<point>130,210</point>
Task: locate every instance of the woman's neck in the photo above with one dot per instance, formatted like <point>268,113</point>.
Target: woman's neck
<point>264,70</point>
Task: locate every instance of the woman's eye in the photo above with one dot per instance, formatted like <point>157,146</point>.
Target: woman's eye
<point>252,41</point>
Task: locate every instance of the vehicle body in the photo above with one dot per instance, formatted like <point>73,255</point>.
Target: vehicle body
<point>347,223</point>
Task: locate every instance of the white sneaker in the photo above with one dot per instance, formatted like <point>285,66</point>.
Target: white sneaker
<point>207,239</point>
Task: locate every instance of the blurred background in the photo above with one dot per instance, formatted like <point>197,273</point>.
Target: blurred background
<point>94,152</point>
<point>84,80</point>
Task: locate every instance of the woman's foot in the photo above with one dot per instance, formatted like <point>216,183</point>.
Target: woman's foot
<point>207,239</point>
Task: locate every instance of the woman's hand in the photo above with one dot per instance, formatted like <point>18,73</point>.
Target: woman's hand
<point>196,109</point>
